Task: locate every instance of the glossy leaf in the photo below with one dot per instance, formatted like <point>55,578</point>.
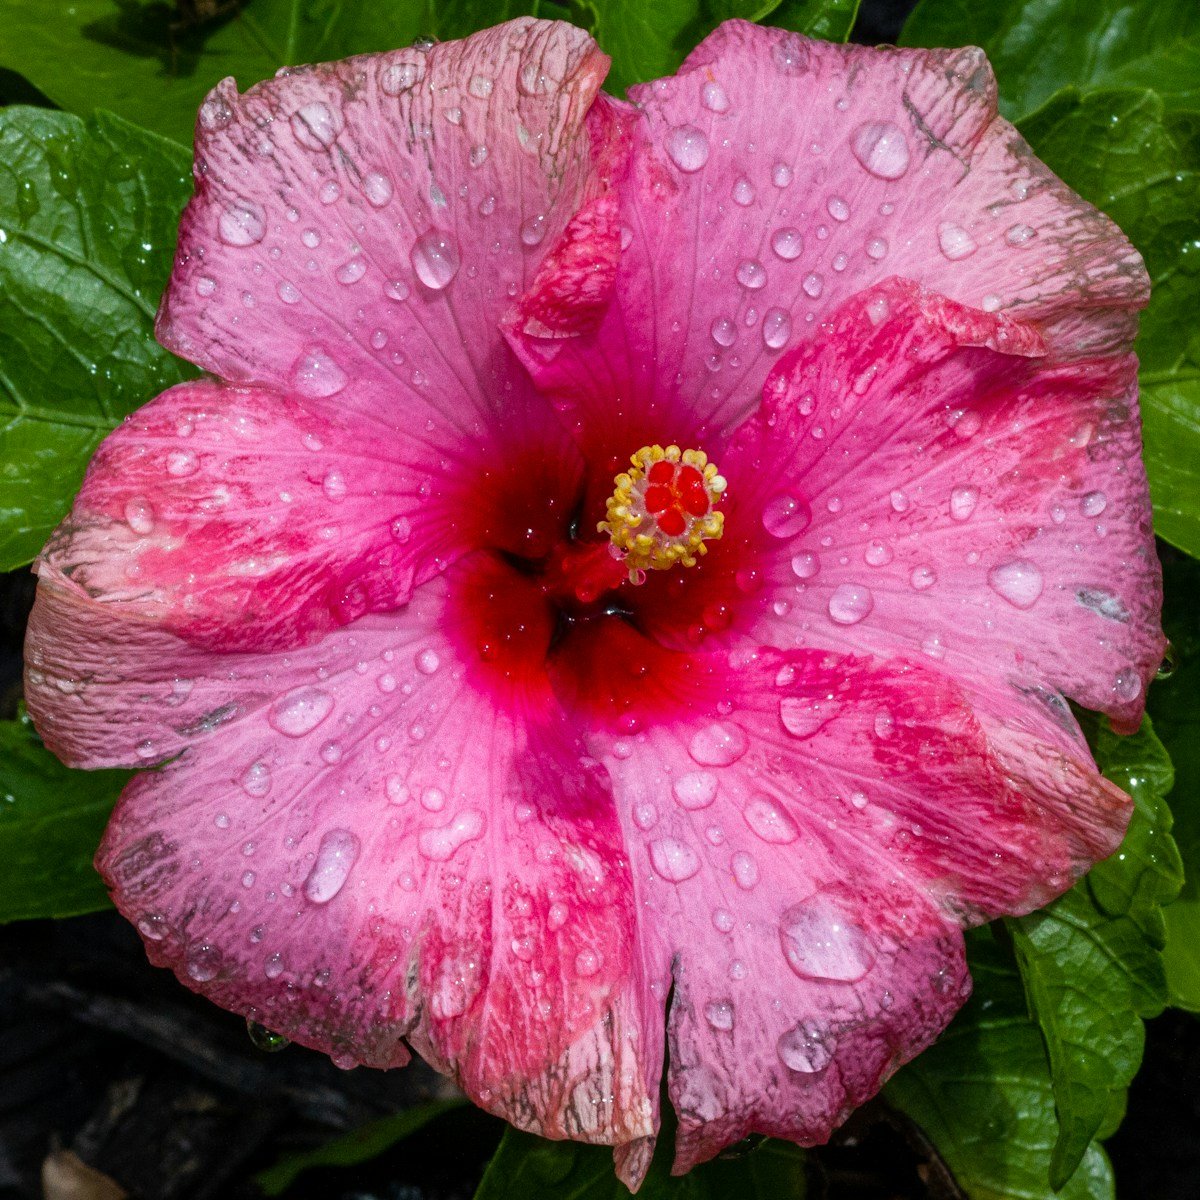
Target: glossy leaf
<point>51,819</point>
<point>984,1097</point>
<point>87,234</point>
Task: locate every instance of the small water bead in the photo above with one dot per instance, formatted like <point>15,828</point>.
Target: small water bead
<point>378,339</point>
<point>1103,603</point>
<point>751,274</point>
<point>962,502</point>
<point>1018,235</point>
<point>781,175</point>
<point>899,501</point>
<point>813,285</point>
<point>839,210</point>
<point>399,77</point>
<point>674,860</point>
<point>331,753</point>
<point>695,790</point>
<point>850,603</point>
<point>820,942</point>
<point>351,271</point>
<point>435,259</point>
<point>533,230</point>
<point>802,717</point>
<point>181,463</point>
<point>877,248</point>
<point>396,790</point>
<point>776,328</point>
<point>1018,581</point>
<point>477,156</point>
<point>336,856</point>
<point>439,845</point>
<point>922,577</point>
<point>769,821</point>
<point>242,224</point>
<point>744,869</point>
<point>428,662</point>
<point>805,1049</point>
<point>805,565</point>
<point>877,554</point>
<point>203,962</point>
<point>316,125</point>
<point>263,1039</point>
<point>1093,504</point>
<point>289,293</point>
<point>205,286</point>
<point>840,262</point>
<point>139,516</point>
<point>587,963</point>
<point>300,711</point>
<point>317,375</point>
<point>786,515</point>
<point>687,148</point>
<point>743,192</point>
<point>273,967</point>
<point>480,86</point>
<point>1127,684</point>
<point>718,745</point>
<point>713,97</point>
<point>787,243</point>
<point>433,799</point>
<point>329,192</point>
<point>334,486</point>
<point>724,332</point>
<point>722,920</point>
<point>881,148</point>
<point>955,242</point>
<point>719,1014</point>
<point>153,926</point>
<point>256,779</point>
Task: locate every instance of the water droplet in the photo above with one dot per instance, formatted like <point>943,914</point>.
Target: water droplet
<point>316,375</point>
<point>718,745</point>
<point>786,515</point>
<point>802,717</point>
<point>687,148</point>
<point>806,1049</point>
<point>153,926</point>
<point>696,789</point>
<point>334,486</point>
<point>962,502</point>
<point>877,554</point>
<point>533,230</point>
<point>769,821</point>
<point>181,463</point>
<point>428,662</point>
<point>441,844</point>
<point>1093,504</point>
<point>205,286</point>
<point>839,210</point>
<point>805,565</point>
<point>139,516</point>
<point>922,577</point>
<point>351,271</point>
<point>256,779</point>
<point>215,113</point>
<point>1018,581</point>
<point>787,243</point>
<point>723,332</point>
<point>300,711</point>
<point>674,860</point>
<point>751,274</point>
<point>316,125</point>
<point>377,188</point>
<point>881,148</point>
<point>399,77</point>
<point>289,293</point>
<point>776,328</point>
<point>203,962</point>
<point>435,259</point>
<point>713,97</point>
<point>1018,235</point>
<point>587,963</point>
<point>850,603</point>
<point>1127,684</point>
<point>820,942</point>
<point>336,855</point>
<point>273,967</point>
<point>813,285</point>
<point>955,242</point>
<point>1103,603</point>
<point>242,224</point>
<point>263,1039</point>
<point>719,1014</point>
<point>743,192</point>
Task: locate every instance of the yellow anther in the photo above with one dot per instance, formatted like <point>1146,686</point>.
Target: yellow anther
<point>663,510</point>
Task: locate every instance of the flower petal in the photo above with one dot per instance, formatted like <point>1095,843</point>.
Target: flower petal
<point>985,507</point>
<point>804,860</point>
<point>382,853</point>
<point>376,215</point>
<point>775,176</point>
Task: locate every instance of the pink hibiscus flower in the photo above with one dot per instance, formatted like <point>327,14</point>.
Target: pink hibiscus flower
<point>451,754</point>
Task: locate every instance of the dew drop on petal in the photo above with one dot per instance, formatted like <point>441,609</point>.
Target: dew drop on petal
<point>955,242</point>
<point>399,77</point>
<point>1127,684</point>
<point>316,125</point>
<point>718,745</point>
<point>786,515</point>
<point>288,292</point>
<point>273,967</point>
<point>241,224</point>
<point>743,192</point>
<point>962,502</point>
<point>813,285</point>
<point>203,962</point>
<point>769,821</point>
<point>696,789</point>
<point>1093,504</point>
<point>139,516</point>
<point>850,603</point>
<point>256,779</point>
<point>674,860</point>
<point>713,97</point>
<point>1018,581</point>
<point>776,328</point>
<point>922,577</point>
<point>751,274</point>
<point>805,1049</point>
<point>435,259</point>
<point>300,711</point>
<point>723,332</point>
<point>181,463</point>
<point>781,175</point>
<point>881,149</point>
<point>336,856</point>
<point>803,717</point>
<point>820,942</point>
<point>687,147</point>
<point>839,210</point>
<point>442,843</point>
<point>317,376</point>
<point>787,243</point>
<point>377,188</point>
<point>351,271</point>
<point>719,1014</point>
<point>805,565</point>
<point>428,662</point>
<point>745,872</point>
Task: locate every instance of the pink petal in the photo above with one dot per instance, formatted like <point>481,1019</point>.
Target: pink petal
<point>378,851</point>
<point>774,176</point>
<point>375,216</point>
<point>803,861</point>
<point>985,508</point>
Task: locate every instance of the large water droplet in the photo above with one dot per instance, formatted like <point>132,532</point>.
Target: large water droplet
<point>696,789</point>
<point>316,125</point>
<point>723,332</point>
<point>1127,684</point>
<point>377,188</point>
<point>881,148</point>
<point>336,855</point>
<point>399,77</point>
<point>769,821</point>
<point>317,375</point>
<point>256,779</point>
<point>719,1014</point>
<point>1019,581</point>
<point>820,942</point>
<point>850,603</point>
<point>1093,504</point>
<point>181,463</point>
<point>713,97</point>
<point>962,502</point>
<point>786,515</point>
<point>776,328</point>
<point>435,259</point>
<point>242,224</point>
<point>803,717</point>
<point>674,860</point>
<point>139,516</point>
<point>806,1048</point>
<point>955,242</point>
<point>687,147</point>
<point>805,565</point>
<point>441,844</point>
<point>263,1039</point>
<point>300,711</point>
<point>787,243</point>
<point>751,274</point>
<point>203,962</point>
<point>718,745</point>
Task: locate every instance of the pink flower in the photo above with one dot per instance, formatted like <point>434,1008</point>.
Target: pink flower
<point>434,770</point>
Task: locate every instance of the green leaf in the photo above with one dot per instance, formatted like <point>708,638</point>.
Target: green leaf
<point>535,1169</point>
<point>982,1093</point>
<point>87,233</point>
<point>828,19</point>
<point>1175,705</point>
<point>1090,962</point>
<point>359,1146</point>
<point>1039,46</point>
<point>51,819</point>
